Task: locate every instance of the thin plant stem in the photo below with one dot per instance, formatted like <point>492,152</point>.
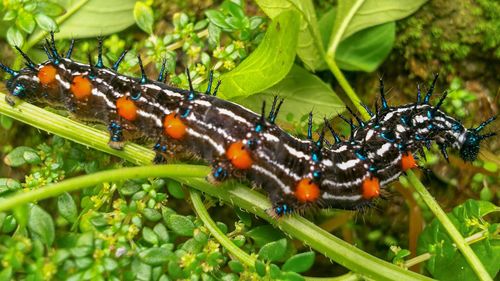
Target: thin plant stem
<point>474,238</point>
<point>202,213</point>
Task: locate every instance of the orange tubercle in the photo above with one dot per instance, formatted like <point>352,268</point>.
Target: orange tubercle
<point>371,188</point>
<point>239,155</point>
<point>306,191</point>
<point>173,126</point>
<point>407,161</point>
<point>126,108</point>
<point>47,74</point>
<point>81,87</point>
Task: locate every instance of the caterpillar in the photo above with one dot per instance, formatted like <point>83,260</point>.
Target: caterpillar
<point>295,173</point>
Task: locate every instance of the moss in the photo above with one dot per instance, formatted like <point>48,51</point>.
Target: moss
<point>450,32</point>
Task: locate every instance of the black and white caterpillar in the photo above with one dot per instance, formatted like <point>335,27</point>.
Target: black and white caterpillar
<point>296,173</point>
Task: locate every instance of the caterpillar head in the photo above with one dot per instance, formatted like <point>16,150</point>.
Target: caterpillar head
<point>472,139</point>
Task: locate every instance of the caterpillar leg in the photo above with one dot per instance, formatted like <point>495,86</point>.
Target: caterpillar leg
<point>279,210</point>
<point>281,204</point>
<point>11,100</point>
<point>116,140</point>
<point>220,171</point>
<point>161,153</point>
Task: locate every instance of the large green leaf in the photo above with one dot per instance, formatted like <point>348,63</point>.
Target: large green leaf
<point>90,18</point>
<point>356,15</point>
<point>269,63</point>
<point>309,48</point>
<point>367,49</point>
<point>302,92</point>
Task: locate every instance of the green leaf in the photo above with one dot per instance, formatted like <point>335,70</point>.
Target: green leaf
<point>129,188</point>
<point>155,256</point>
<point>309,48</point>
<point>25,21</point>
<point>6,122</point>
<point>84,245</point>
<point>45,22</point>
<point>234,9</point>
<point>269,63</point>
<point>181,225</point>
<point>162,233</point>
<point>367,49</point>
<point>175,189</point>
<point>89,19</point>
<point>264,234</point>
<point>10,15</point>
<point>15,37</point>
<point>217,18</point>
<point>110,264</point>
<point>20,156</point>
<point>149,236</point>
<point>353,16</point>
<point>151,214</point>
<point>299,263</point>
<point>41,225</point>
<point>141,270</point>
<point>143,16</point>
<point>236,266</point>
<point>274,272</point>
<point>67,207</point>
<point>292,276</point>
<point>447,263</point>
<point>273,251</point>
<point>260,268</point>
<point>7,184</point>
<point>302,92</point>
<point>9,224</point>
<point>51,9</point>
<point>6,273</point>
<point>21,213</point>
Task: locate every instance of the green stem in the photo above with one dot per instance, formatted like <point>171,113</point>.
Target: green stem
<point>100,177</point>
<point>346,87</point>
<point>202,213</point>
<point>334,248</point>
<point>476,237</point>
<point>455,235</point>
<point>345,20</point>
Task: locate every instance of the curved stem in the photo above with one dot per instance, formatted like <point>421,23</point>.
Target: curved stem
<point>100,177</point>
<point>202,213</point>
<point>339,32</point>
<point>346,87</point>
<point>474,238</point>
